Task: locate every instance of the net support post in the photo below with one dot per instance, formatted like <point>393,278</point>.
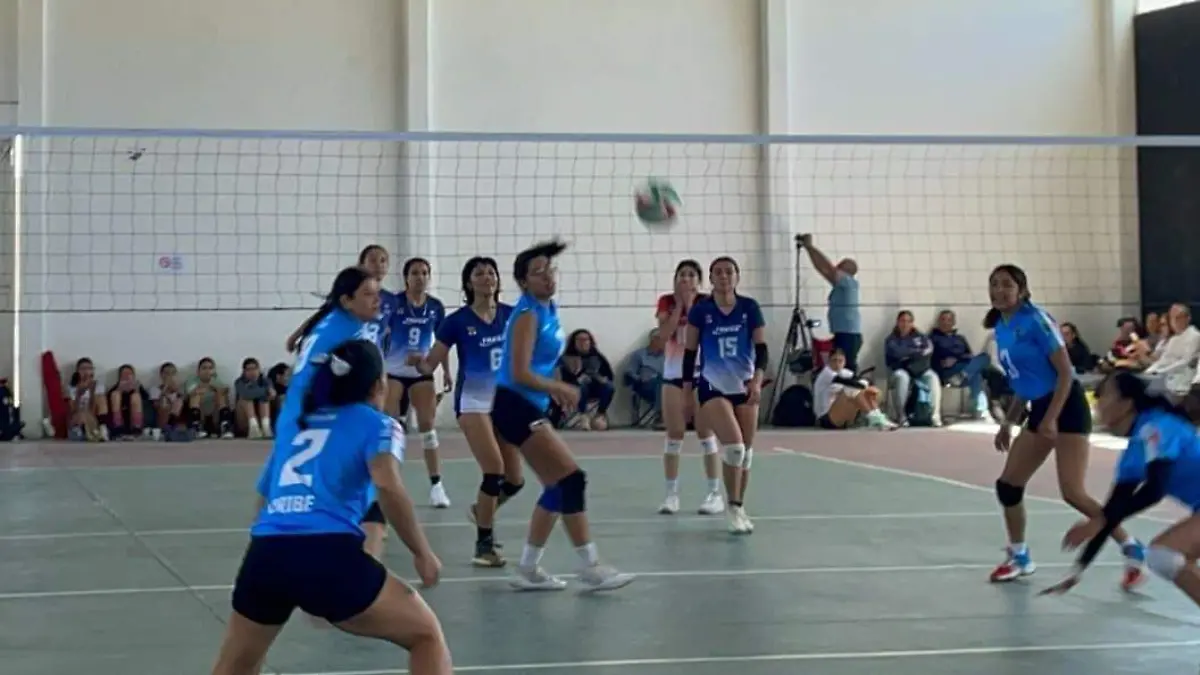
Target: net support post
<point>776,224</point>
<point>419,158</point>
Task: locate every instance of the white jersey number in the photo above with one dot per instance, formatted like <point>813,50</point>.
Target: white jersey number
<point>310,442</point>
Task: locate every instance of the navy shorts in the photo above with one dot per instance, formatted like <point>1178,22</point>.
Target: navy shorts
<point>676,382</point>
<point>409,382</point>
<point>706,393</point>
<point>1076,415</point>
<point>515,417</point>
<point>326,575</point>
<point>374,514</point>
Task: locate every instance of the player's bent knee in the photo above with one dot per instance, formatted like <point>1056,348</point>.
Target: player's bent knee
<point>551,499</point>
<point>509,490</point>
<point>574,492</point>
<point>1009,495</point>
<point>1165,562</point>
<point>492,484</point>
<point>735,454</point>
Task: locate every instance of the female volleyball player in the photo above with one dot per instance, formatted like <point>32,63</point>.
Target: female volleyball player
<point>730,330</point>
<point>306,546</point>
<point>678,410</point>
<point>1161,460</point>
<point>477,331</point>
<point>413,326</point>
<point>534,342</point>
<point>1035,360</point>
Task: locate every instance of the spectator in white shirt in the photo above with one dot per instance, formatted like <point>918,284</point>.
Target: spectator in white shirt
<point>1182,345</point>
<point>840,397</point>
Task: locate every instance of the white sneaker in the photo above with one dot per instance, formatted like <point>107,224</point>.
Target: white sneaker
<point>713,504</point>
<point>254,432</point>
<point>535,579</point>
<point>600,577</point>
<point>670,505</point>
<point>747,524</point>
<point>738,522</point>
<point>438,498</point>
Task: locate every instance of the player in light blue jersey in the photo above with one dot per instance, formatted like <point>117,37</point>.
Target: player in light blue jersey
<point>413,330</point>
<point>1034,358</point>
<point>1161,460</point>
<point>306,544</point>
<point>525,384</point>
<point>374,259</point>
<point>731,332</point>
<point>476,331</point>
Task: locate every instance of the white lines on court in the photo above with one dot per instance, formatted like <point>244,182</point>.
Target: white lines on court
<point>803,656</point>
<point>982,568</point>
<point>660,520</point>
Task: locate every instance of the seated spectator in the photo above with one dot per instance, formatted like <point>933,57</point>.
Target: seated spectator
<point>279,375</point>
<point>208,402</point>
<point>586,368</point>
<point>955,364</point>
<point>840,398</point>
<point>254,395</point>
<point>1127,351</point>
<point>1178,356</point>
<point>645,372</point>
<point>1082,358</point>
<point>88,404</point>
<point>127,405</point>
<point>1156,330</point>
<point>167,398</point>
<point>908,354</point>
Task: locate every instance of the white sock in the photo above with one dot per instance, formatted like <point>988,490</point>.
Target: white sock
<point>672,486</point>
<point>589,554</point>
<point>266,425</point>
<point>531,555</point>
<point>714,484</point>
<point>255,429</point>
<point>1018,547</point>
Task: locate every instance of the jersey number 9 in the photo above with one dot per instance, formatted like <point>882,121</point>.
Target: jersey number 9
<point>414,337</point>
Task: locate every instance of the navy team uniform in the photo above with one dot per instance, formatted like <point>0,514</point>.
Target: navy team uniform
<point>480,348</point>
<point>516,409</point>
<point>1025,342</point>
<point>727,342</point>
<point>411,331</point>
<point>379,329</point>
<point>306,546</point>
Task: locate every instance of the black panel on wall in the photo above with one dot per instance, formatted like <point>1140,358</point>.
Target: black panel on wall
<point>1167,54</point>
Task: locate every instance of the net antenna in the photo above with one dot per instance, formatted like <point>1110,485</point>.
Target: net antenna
<point>796,356</point>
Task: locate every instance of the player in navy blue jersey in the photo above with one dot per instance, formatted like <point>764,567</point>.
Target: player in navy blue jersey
<point>730,330</point>
<point>534,342</point>
<point>414,326</point>
<point>1034,357</point>
<point>1161,460</point>
<point>476,331</point>
<point>306,544</point>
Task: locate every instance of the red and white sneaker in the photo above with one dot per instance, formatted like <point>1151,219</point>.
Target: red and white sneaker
<point>1132,577</point>
<point>1016,565</point>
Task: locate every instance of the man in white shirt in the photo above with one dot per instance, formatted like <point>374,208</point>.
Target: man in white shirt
<point>1176,360</point>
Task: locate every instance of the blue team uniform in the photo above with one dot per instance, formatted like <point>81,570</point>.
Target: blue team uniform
<point>548,347</point>
<point>306,544</point>
<point>1025,342</point>
<point>319,481</point>
<point>727,342</point>
<point>335,328</point>
<point>1160,435</point>
<point>380,327</point>
<point>480,348</point>
<point>412,330</point>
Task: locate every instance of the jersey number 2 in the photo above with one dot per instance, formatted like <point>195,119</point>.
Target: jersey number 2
<point>310,442</point>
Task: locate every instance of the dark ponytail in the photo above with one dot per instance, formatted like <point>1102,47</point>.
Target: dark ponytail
<point>1018,276</point>
<point>346,284</point>
<point>1145,394</point>
<point>345,376</point>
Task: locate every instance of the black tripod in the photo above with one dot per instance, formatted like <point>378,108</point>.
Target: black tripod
<point>796,356</point>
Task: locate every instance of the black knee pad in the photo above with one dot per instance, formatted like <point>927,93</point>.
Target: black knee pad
<point>492,484</point>
<point>1009,495</point>
<point>509,490</point>
<point>574,490</point>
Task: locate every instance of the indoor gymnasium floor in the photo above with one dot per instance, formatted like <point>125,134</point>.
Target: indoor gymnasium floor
<point>117,560</point>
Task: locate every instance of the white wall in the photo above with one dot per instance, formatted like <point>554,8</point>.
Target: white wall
<point>262,223</point>
<point>8,61</point>
<point>927,223</point>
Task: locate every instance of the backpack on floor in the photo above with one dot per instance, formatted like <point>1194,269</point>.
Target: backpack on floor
<point>919,408</point>
<point>795,408</point>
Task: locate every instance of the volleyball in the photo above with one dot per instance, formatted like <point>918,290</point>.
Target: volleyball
<point>657,202</point>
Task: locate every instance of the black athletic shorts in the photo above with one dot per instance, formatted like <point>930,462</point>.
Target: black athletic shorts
<point>515,417</point>
<point>374,514</point>
<point>706,393</point>
<point>676,382</point>
<point>408,382</point>
<point>326,575</point>
<point>1076,415</point>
